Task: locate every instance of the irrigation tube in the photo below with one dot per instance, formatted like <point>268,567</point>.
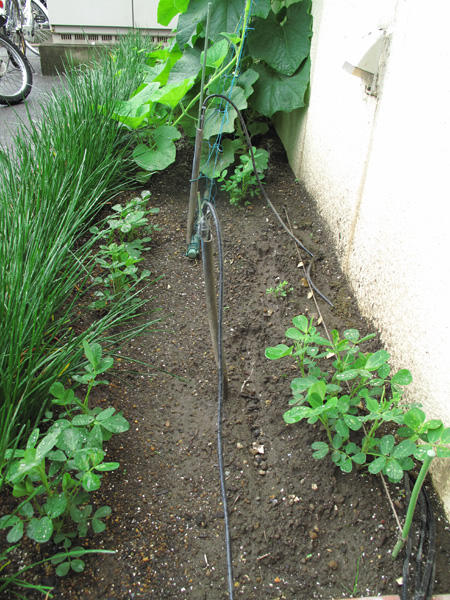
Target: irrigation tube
<point>206,239</point>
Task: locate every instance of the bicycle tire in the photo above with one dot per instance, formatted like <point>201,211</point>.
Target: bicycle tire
<point>16,78</point>
<point>41,27</point>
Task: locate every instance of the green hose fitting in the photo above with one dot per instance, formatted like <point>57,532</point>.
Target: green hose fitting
<point>193,250</point>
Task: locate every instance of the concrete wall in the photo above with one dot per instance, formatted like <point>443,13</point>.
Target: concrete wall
<point>378,167</point>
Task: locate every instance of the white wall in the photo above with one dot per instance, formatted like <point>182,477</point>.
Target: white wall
<point>379,170</point>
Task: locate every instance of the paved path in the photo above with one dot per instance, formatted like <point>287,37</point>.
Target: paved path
<point>11,115</point>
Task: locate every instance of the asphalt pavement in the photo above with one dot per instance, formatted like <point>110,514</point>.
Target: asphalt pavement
<point>10,116</point>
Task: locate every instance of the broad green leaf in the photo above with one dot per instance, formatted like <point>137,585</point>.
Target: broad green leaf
<point>46,445</point>
<point>55,505</point>
<point>376,360</point>
<point>32,440</point>
<point>353,422</point>
<point>393,470</point>
<point>40,530</point>
<point>297,414</point>
<point>57,390</point>
<point>26,510</point>
<point>433,424</point>
<point>377,465</point>
<point>77,565</point>
<point>81,420</point>
<point>261,8</point>
<point>62,569</point>
<point>422,450</point>
<point>161,154</point>
<point>81,459</point>
<point>407,463</point>
<point>300,384</point>
<point>8,521</point>
<point>225,16</point>
<point>168,9</point>
<point>372,404</point>
<point>351,334</point>
<point>405,432</point>
<point>348,375</point>
<point>346,466</point>
<point>317,391</point>
<point>98,526</point>
<point>384,371</point>
<point>273,353</point>
<point>172,93</point>
<point>95,438</point>
<point>414,418</point>
<point>342,429</point>
<point>321,450</point>
<point>69,440</point>
<point>246,81</point>
<point>285,44</point>
<point>90,481</point>
<point>213,163</point>
<point>15,533</point>
<point>116,424</point>
<point>337,441</point>
<point>404,449</point>
<point>110,466</point>
<point>301,322</point>
<point>216,54</point>
<point>102,512</point>
<point>443,452</point>
<point>434,435</point>
<point>294,334</point>
<point>445,436</point>
<point>359,458</point>
<point>220,117</point>
<point>386,444</point>
<point>105,414</point>
<point>402,377</point>
<point>275,92</point>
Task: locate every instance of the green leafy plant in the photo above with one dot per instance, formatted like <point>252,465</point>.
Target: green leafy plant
<point>273,75</point>
<point>58,469</point>
<point>50,190</point>
<point>242,183</point>
<point>281,290</point>
<point>16,580</point>
<point>354,398</point>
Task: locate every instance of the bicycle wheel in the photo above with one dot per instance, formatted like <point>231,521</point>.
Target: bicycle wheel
<point>41,26</point>
<point>15,73</point>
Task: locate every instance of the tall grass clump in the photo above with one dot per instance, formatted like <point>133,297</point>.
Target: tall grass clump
<point>61,171</point>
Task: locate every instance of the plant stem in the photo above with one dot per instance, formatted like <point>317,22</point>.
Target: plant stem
<point>412,503</point>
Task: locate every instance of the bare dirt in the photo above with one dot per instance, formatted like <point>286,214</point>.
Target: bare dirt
<point>300,528</point>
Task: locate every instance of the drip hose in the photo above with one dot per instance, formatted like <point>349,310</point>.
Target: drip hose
<point>220,402</point>
<point>263,191</point>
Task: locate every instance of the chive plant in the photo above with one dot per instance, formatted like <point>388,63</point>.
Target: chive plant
<point>61,171</point>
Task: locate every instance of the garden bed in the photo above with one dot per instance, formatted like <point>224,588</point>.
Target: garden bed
<point>300,528</point>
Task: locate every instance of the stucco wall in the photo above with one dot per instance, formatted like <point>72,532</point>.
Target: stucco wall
<point>378,167</point>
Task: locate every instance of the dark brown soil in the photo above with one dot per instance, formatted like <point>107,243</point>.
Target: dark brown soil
<point>300,528</point>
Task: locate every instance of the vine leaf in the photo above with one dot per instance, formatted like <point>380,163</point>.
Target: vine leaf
<point>168,9</point>
<point>277,92</point>
<point>283,44</point>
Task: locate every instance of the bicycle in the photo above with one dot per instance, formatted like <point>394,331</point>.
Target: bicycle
<point>27,23</point>
<point>15,73</point>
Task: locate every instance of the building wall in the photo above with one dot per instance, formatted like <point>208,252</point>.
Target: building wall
<point>378,168</point>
